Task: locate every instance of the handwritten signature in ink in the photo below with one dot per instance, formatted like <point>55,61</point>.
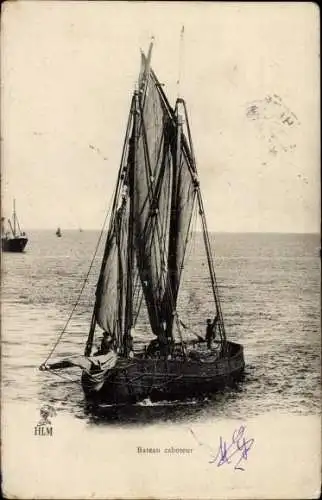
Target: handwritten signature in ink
<point>237,449</point>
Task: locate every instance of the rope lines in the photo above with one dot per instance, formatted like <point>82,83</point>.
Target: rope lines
<point>82,288</point>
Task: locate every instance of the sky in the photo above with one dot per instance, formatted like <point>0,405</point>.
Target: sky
<point>249,73</point>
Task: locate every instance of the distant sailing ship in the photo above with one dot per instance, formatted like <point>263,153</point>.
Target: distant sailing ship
<point>58,232</point>
<point>156,194</point>
<point>14,240</point>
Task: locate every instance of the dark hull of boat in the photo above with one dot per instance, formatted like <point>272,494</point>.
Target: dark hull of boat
<point>133,380</point>
<point>13,244</point>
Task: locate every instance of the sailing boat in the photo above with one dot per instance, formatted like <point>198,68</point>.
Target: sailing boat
<point>156,193</point>
<point>58,232</point>
<point>14,240</point>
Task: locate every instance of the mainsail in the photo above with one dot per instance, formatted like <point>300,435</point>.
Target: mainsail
<point>164,200</point>
<point>152,219</point>
<point>152,195</point>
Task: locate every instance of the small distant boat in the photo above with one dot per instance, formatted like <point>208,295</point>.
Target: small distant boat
<point>58,232</point>
<point>13,240</point>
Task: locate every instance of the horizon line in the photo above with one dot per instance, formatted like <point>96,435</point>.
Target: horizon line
<point>82,229</point>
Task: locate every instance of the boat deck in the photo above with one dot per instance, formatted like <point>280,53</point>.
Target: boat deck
<point>134,379</point>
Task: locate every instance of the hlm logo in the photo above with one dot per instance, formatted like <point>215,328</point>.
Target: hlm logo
<point>44,427</point>
<point>43,430</point>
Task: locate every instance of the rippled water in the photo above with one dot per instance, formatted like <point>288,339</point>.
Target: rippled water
<point>270,290</point>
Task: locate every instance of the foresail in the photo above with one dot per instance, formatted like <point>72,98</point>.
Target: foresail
<point>106,293</point>
<point>111,288</point>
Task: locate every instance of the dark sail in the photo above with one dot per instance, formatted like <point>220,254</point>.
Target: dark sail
<point>111,288</point>
<point>111,292</point>
<point>106,293</point>
<point>152,195</point>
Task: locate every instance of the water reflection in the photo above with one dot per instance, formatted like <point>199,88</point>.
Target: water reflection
<point>143,414</point>
<point>148,413</point>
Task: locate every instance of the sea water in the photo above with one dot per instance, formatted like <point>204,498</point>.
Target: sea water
<point>269,286</point>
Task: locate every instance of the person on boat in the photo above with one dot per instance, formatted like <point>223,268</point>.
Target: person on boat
<point>211,331</point>
<point>153,348</point>
<point>106,344</point>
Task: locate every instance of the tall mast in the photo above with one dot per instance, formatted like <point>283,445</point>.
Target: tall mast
<point>130,249</point>
<point>175,187</point>
<point>172,259</point>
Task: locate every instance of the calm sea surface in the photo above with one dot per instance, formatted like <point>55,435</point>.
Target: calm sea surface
<point>270,290</point>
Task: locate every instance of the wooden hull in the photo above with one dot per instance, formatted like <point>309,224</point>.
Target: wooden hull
<point>133,380</point>
<point>13,244</point>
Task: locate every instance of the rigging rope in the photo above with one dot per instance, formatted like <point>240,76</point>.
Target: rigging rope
<point>191,249</point>
<point>83,285</point>
<point>57,374</point>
